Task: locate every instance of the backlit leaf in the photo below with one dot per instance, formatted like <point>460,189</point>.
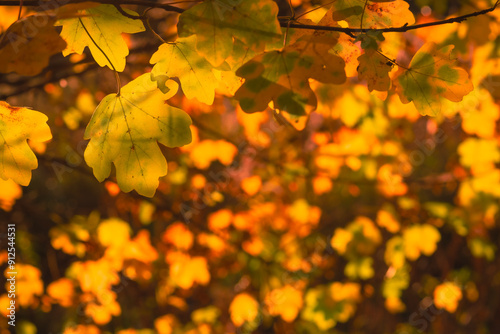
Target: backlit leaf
<point>125,129</point>
<point>431,76</point>
<point>99,28</point>
<point>374,69</point>
<point>181,60</point>
<point>23,54</point>
<point>217,23</point>
<point>283,76</point>
<point>371,14</point>
<point>285,302</point>
<point>447,296</point>
<point>243,308</point>
<point>17,125</point>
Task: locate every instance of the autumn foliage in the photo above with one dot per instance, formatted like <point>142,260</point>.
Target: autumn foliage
<point>251,166</point>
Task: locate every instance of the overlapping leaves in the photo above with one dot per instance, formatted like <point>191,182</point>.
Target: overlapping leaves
<point>216,23</point>
<point>283,76</point>
<point>181,60</point>
<point>371,14</point>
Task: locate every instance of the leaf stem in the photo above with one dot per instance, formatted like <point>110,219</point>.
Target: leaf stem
<point>363,15</point>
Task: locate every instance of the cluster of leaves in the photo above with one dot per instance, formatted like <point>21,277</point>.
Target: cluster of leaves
<point>307,185</point>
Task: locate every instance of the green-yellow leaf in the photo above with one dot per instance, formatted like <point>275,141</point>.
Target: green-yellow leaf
<point>16,126</point>
<point>374,69</point>
<point>217,23</point>
<point>283,76</point>
<point>431,76</point>
<point>372,14</point>
<point>181,60</point>
<point>29,56</point>
<point>99,28</point>
<point>125,129</point>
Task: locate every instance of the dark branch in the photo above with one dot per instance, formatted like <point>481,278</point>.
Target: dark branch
<point>40,3</point>
<point>283,22</point>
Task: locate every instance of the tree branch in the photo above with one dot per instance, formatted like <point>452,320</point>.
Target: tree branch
<point>40,3</point>
<point>404,28</point>
<point>283,22</point>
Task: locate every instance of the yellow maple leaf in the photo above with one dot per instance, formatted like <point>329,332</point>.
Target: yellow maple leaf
<point>165,324</point>
<point>322,184</point>
<point>62,291</point>
<point>341,239</point>
<point>103,308</point>
<point>285,302</point>
<point>139,248</point>
<point>125,130</point>
<point>479,113</point>
<point>477,152</point>
<point>9,192</point>
<point>345,291</point>
<point>386,219</point>
<point>28,284</point>
<point>206,151</point>
<point>251,185</point>
<point>420,239</point>
<point>447,296</point>
<point>186,271</point>
<point>113,232</point>
<point>82,329</point>
<point>179,235</point>
<point>96,277</point>
<point>17,125</point>
<point>100,28</point>
<point>220,219</point>
<point>243,308</point>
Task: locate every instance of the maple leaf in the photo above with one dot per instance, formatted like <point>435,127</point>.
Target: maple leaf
<point>372,14</point>
<point>374,69</point>
<point>181,60</point>
<point>99,28</point>
<point>447,296</point>
<point>21,53</point>
<point>243,308</point>
<point>283,76</point>
<point>285,302</point>
<point>18,124</point>
<point>430,76</point>
<point>420,239</point>
<point>124,130</point>
<point>217,23</point>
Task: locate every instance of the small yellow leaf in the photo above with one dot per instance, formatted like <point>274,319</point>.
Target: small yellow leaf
<point>251,185</point>
<point>9,192</point>
<point>420,239</point>
<point>113,232</point>
<point>285,302</point>
<point>220,219</point>
<point>243,308</point>
<point>62,291</point>
<point>17,125</point>
<point>447,296</point>
<point>179,235</point>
